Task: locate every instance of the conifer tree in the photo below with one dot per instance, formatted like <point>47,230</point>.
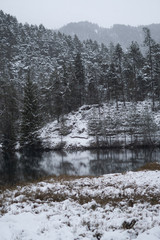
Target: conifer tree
<point>30,116</point>
<point>56,90</point>
<point>8,114</point>
<point>156,51</point>
<point>135,64</point>
<point>8,118</point>
<point>118,58</point>
<point>80,80</point>
<point>150,43</point>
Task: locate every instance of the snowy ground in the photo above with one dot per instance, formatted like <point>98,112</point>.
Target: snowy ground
<point>76,130</point>
<point>110,207</point>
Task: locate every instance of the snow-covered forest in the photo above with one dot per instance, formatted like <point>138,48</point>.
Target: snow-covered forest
<point>60,93</point>
<point>45,75</point>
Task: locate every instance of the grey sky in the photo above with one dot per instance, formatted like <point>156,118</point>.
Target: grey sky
<point>56,13</point>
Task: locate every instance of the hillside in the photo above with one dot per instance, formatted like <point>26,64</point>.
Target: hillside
<point>123,34</point>
<point>45,75</point>
<point>104,125</point>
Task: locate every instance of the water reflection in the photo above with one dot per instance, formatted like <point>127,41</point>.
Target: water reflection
<point>29,163</point>
<point>20,167</point>
<point>8,168</point>
<point>121,160</point>
<point>29,166</point>
<point>97,162</point>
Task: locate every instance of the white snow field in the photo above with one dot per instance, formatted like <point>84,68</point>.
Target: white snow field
<point>110,207</point>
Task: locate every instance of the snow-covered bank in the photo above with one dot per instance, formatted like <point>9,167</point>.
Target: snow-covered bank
<point>104,126</point>
<point>114,206</point>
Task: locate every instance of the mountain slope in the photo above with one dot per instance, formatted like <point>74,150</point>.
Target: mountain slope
<point>122,34</point>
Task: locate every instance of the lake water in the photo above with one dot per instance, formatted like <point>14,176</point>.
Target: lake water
<point>80,163</point>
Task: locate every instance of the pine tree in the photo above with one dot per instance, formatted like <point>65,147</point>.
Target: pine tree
<point>67,88</point>
<point>70,96</point>
<point>30,117</point>
<point>92,88</point>
<point>149,43</point>
<point>8,114</point>
<point>135,63</point>
<point>113,90</point>
<point>57,92</point>
<point>118,59</point>
<point>92,92</point>
<point>8,118</point>
<point>9,138</point>
<point>156,66</point>
<point>80,80</point>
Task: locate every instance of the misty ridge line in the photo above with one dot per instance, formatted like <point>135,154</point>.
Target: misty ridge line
<point>123,34</point>
<point>104,28</point>
<point>118,33</point>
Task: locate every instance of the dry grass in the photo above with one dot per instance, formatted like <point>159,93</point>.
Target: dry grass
<point>69,189</point>
<point>153,166</point>
<point>50,196</point>
<point>50,178</point>
<point>116,201</point>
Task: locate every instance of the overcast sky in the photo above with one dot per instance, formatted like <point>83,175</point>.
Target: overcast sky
<point>56,13</point>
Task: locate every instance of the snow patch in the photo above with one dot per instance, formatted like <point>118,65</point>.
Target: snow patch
<point>74,133</point>
<point>27,216</point>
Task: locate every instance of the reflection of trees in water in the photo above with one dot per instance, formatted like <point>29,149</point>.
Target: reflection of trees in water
<point>30,165</point>
<point>61,154</point>
<point>26,166</point>
<point>67,168</point>
<point>107,162</point>
<point>9,168</point>
<point>57,163</point>
<point>111,161</point>
<point>145,155</point>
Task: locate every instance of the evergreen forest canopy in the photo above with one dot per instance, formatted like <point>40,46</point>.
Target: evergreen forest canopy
<point>45,74</point>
